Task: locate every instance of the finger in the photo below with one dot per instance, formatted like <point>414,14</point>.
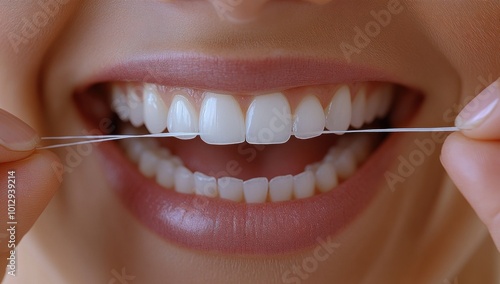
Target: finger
<point>32,184</point>
<point>17,139</point>
<point>472,157</point>
<point>473,166</point>
<point>480,119</point>
<point>27,183</point>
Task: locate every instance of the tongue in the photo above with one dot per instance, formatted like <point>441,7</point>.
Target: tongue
<point>246,161</point>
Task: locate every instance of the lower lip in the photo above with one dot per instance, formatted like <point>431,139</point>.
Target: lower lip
<point>226,227</point>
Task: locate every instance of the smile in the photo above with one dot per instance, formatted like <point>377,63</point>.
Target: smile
<point>268,121</point>
<point>260,176</point>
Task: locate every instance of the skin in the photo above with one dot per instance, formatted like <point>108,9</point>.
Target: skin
<point>422,231</point>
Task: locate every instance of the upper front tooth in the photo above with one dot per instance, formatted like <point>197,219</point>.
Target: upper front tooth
<point>309,120</point>
<point>155,110</point>
<point>182,117</point>
<point>221,120</point>
<point>339,112</point>
<point>269,120</point>
<point>358,109</point>
<point>136,108</point>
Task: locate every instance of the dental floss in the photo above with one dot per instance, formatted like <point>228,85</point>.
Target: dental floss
<point>102,138</point>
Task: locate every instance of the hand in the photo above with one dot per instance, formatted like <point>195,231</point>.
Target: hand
<point>472,157</point>
<point>27,183</point>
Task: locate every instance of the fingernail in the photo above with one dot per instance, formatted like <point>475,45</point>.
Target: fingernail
<point>480,108</point>
<point>16,135</point>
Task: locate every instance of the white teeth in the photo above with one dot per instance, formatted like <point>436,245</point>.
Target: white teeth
<point>120,103</point>
<point>231,188</point>
<point>345,164</point>
<point>303,185</point>
<point>176,161</point>
<point>313,167</point>
<point>333,154</point>
<point>361,146</point>
<point>255,190</point>
<point>309,120</point>
<point>281,188</point>
<point>339,163</point>
<point>268,120</point>
<point>163,153</point>
<point>221,120</point>
<point>358,109</point>
<point>165,174</point>
<point>155,110</point>
<point>338,113</point>
<point>135,106</point>
<point>184,181</point>
<point>205,185</point>
<point>326,177</point>
<point>133,149</point>
<point>148,163</point>
<point>182,117</point>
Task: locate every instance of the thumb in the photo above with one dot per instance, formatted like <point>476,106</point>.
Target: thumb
<point>472,157</point>
<point>27,183</point>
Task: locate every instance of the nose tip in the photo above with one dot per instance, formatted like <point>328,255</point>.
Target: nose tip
<point>245,10</point>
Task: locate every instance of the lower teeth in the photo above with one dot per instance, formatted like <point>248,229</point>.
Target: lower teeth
<point>340,163</point>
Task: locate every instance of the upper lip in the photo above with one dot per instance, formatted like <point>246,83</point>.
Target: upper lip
<point>237,75</point>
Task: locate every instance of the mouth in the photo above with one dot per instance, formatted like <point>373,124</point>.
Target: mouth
<point>260,177</point>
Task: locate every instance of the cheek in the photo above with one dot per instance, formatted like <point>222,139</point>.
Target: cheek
<point>466,32</point>
<point>27,32</point>
<point>31,29</point>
